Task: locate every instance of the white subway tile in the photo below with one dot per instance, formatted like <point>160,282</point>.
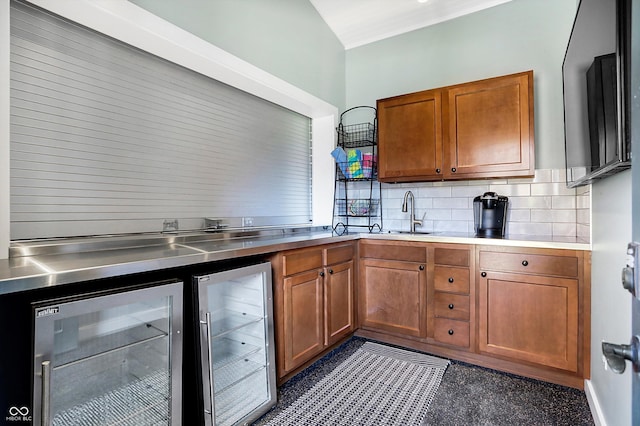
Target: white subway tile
<point>543,176</point>
<point>427,203</point>
<point>517,228</point>
<point>583,201</point>
<point>551,189</point>
<point>435,192</point>
<point>563,202</point>
<point>522,215</point>
<point>438,214</point>
<point>462,214</point>
<point>559,176</point>
<point>496,181</point>
<point>521,180</point>
<point>469,191</point>
<point>529,202</point>
<point>451,183</point>
<point>451,203</point>
<point>564,216</point>
<point>583,190</point>
<point>471,228</point>
<point>583,231</point>
<point>541,216</point>
<point>520,190</point>
<point>583,216</point>
<point>392,225</point>
<point>451,226</point>
<point>394,214</point>
<point>564,229</point>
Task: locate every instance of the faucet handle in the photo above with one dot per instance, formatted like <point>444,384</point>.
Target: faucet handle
<point>419,221</point>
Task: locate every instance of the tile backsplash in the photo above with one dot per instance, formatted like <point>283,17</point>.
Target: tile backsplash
<point>541,205</point>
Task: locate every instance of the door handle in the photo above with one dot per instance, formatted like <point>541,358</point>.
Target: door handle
<point>631,272</point>
<point>209,334</point>
<point>46,393</point>
<point>616,355</point>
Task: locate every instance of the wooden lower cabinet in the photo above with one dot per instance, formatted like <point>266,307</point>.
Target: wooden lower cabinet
<point>530,318</point>
<point>339,304</point>
<point>303,318</point>
<point>451,291</point>
<point>520,310</point>
<point>314,305</point>
<point>393,296</point>
<point>392,287</point>
<point>525,311</point>
<point>534,306</point>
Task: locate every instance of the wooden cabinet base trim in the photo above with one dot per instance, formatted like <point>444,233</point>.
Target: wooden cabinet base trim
<point>492,362</point>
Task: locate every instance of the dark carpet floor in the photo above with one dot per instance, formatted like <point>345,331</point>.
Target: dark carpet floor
<point>468,395</point>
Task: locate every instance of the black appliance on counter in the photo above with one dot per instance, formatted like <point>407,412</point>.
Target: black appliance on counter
<point>490,215</point>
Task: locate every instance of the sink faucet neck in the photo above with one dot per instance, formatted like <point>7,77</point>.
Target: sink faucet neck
<point>412,217</point>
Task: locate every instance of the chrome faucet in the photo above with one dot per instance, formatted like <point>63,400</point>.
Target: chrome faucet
<point>412,218</point>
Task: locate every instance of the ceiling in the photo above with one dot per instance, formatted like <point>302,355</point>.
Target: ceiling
<point>358,22</point>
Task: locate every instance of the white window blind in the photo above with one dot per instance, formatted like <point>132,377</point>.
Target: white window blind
<point>108,139</point>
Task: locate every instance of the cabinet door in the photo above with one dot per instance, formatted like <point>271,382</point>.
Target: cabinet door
<point>530,318</point>
<point>338,302</point>
<point>393,296</point>
<point>410,137</point>
<point>489,130</point>
<point>303,314</point>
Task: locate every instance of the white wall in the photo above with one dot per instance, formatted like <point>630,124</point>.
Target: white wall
<point>516,36</point>
<point>610,303</point>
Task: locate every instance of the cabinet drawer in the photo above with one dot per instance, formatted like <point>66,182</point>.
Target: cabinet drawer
<point>454,280</point>
<point>339,254</point>
<point>453,257</point>
<point>394,252</point>
<point>452,306</point>
<point>301,260</point>
<point>452,332</point>
<point>564,266</point>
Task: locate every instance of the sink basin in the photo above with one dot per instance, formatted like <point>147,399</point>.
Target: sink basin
<point>409,232</point>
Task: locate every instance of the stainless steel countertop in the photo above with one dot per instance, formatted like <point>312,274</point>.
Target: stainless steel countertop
<point>49,263</point>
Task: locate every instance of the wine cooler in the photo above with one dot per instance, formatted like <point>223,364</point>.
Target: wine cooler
<point>109,358</point>
<point>236,344</point>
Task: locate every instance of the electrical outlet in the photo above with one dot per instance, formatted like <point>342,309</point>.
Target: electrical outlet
<point>170,225</point>
<point>247,221</point>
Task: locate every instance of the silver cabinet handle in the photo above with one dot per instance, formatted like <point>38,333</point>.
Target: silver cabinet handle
<point>46,393</point>
<point>210,367</point>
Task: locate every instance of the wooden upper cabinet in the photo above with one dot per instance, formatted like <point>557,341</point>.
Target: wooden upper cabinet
<point>410,137</point>
<point>489,131</point>
<point>476,130</point>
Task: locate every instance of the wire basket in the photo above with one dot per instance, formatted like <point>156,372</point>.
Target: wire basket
<point>360,134</point>
<point>356,135</point>
<point>357,207</point>
<point>358,170</point>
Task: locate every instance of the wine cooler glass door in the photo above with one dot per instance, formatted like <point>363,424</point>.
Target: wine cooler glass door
<point>111,359</point>
<point>237,344</point>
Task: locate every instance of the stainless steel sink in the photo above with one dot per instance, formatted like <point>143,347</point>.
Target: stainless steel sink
<point>409,232</point>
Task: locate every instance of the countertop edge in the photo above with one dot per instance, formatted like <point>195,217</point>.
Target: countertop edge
<point>13,283</point>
